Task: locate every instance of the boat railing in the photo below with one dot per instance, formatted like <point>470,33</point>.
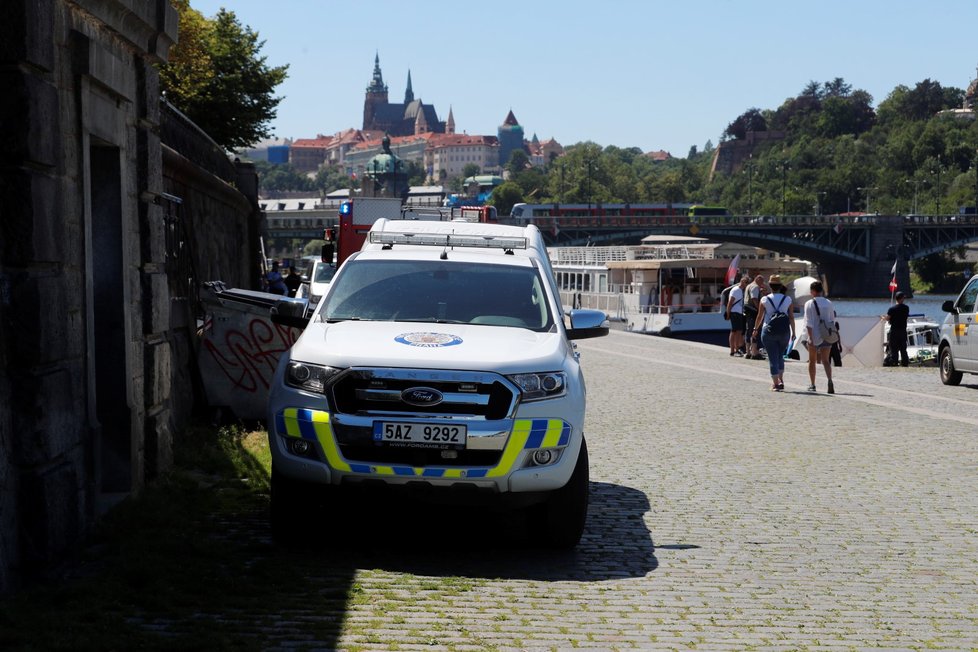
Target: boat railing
<point>586,255</point>
<point>657,309</point>
<point>598,256</point>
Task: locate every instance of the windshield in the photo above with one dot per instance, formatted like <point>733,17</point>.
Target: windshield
<point>324,273</point>
<point>438,291</point>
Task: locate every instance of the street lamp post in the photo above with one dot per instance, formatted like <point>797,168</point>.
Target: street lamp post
<point>818,202</point>
<point>937,189</point>
<point>561,181</point>
<point>868,190</point>
<point>784,179</point>
<point>916,186</point>
<point>750,185</point>
<point>589,162</point>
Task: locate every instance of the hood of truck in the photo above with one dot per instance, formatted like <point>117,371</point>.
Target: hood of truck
<point>430,346</point>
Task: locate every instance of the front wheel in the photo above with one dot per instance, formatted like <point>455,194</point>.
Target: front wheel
<point>948,375</point>
<point>561,519</point>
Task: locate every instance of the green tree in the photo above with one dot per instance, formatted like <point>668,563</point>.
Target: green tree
<point>518,162</point>
<point>282,177</point>
<point>218,78</point>
<point>505,196</point>
<point>749,120</point>
<point>330,178</point>
<point>470,170</point>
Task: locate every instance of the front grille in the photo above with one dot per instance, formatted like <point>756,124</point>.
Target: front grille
<point>379,391</point>
<point>419,457</point>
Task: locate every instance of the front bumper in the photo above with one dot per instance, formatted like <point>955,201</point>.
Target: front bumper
<point>512,471</point>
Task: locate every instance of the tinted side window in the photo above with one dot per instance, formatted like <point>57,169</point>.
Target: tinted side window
<point>967,301</point>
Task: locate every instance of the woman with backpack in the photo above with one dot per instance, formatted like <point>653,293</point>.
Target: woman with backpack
<point>777,327</point>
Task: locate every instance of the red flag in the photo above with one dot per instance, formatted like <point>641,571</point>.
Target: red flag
<point>732,270</point>
<point>893,284</point>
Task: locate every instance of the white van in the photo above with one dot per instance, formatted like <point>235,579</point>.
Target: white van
<point>958,351</point>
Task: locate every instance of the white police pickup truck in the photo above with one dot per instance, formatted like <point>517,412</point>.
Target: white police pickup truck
<point>958,351</point>
<point>440,359</point>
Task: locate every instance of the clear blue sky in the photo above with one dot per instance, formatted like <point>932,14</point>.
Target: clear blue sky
<point>654,74</point>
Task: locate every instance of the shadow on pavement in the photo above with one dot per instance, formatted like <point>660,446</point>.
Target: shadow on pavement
<point>437,540</point>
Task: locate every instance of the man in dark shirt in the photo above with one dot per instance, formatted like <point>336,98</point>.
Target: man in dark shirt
<point>897,342</point>
<point>293,281</point>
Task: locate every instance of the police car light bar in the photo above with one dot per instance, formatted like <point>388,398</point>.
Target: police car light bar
<point>446,240</point>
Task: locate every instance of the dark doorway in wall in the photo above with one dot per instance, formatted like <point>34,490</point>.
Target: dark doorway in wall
<point>113,450</point>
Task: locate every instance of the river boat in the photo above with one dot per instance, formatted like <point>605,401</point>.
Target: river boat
<point>668,288</point>
<point>923,337</point>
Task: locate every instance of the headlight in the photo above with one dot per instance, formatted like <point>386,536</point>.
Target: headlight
<point>310,377</point>
<point>540,386</point>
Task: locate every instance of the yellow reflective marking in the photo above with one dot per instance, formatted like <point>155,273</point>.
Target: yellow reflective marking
<point>291,417</point>
<point>319,417</point>
<point>517,441</point>
<point>960,330</point>
<point>554,428</point>
<point>514,447</point>
<point>324,433</point>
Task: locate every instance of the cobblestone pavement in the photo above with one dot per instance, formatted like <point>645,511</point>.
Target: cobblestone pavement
<point>723,516</point>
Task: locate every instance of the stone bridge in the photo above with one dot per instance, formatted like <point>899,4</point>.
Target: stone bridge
<point>856,253</point>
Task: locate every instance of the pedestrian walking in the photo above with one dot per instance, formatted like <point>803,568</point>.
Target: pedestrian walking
<point>820,324</point>
<point>777,326</point>
<point>752,303</point>
<point>735,313</point>
<point>896,341</point>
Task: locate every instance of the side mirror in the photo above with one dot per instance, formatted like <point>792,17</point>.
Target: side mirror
<point>948,306</point>
<point>587,323</point>
<point>327,254</point>
<point>290,312</point>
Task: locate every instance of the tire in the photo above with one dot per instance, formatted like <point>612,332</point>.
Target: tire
<point>286,507</point>
<point>948,375</point>
<point>561,519</point>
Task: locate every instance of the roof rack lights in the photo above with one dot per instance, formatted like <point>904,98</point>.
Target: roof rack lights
<point>446,240</point>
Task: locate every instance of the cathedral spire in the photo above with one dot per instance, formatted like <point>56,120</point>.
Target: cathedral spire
<point>377,84</point>
<point>408,93</point>
<point>450,123</point>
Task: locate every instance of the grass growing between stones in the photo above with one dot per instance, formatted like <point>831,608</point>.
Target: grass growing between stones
<point>186,564</point>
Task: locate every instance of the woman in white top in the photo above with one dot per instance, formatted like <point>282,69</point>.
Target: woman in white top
<point>817,309</point>
<point>775,337</point>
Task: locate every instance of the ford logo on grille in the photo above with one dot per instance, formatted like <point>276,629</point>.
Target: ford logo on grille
<point>422,396</point>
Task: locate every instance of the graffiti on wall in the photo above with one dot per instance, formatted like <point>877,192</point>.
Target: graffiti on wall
<point>247,356</point>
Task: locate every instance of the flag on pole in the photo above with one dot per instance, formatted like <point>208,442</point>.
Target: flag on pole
<point>893,284</point>
<point>732,270</point>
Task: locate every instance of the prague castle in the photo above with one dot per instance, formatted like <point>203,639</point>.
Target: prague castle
<point>407,119</point>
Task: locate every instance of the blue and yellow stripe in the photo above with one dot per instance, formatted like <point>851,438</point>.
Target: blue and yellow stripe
<point>527,434</point>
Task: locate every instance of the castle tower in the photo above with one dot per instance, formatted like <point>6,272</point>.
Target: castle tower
<point>510,135</point>
<point>376,94</point>
<point>408,92</point>
<point>450,124</point>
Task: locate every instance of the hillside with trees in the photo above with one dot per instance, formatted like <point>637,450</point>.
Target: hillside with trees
<point>837,151</point>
